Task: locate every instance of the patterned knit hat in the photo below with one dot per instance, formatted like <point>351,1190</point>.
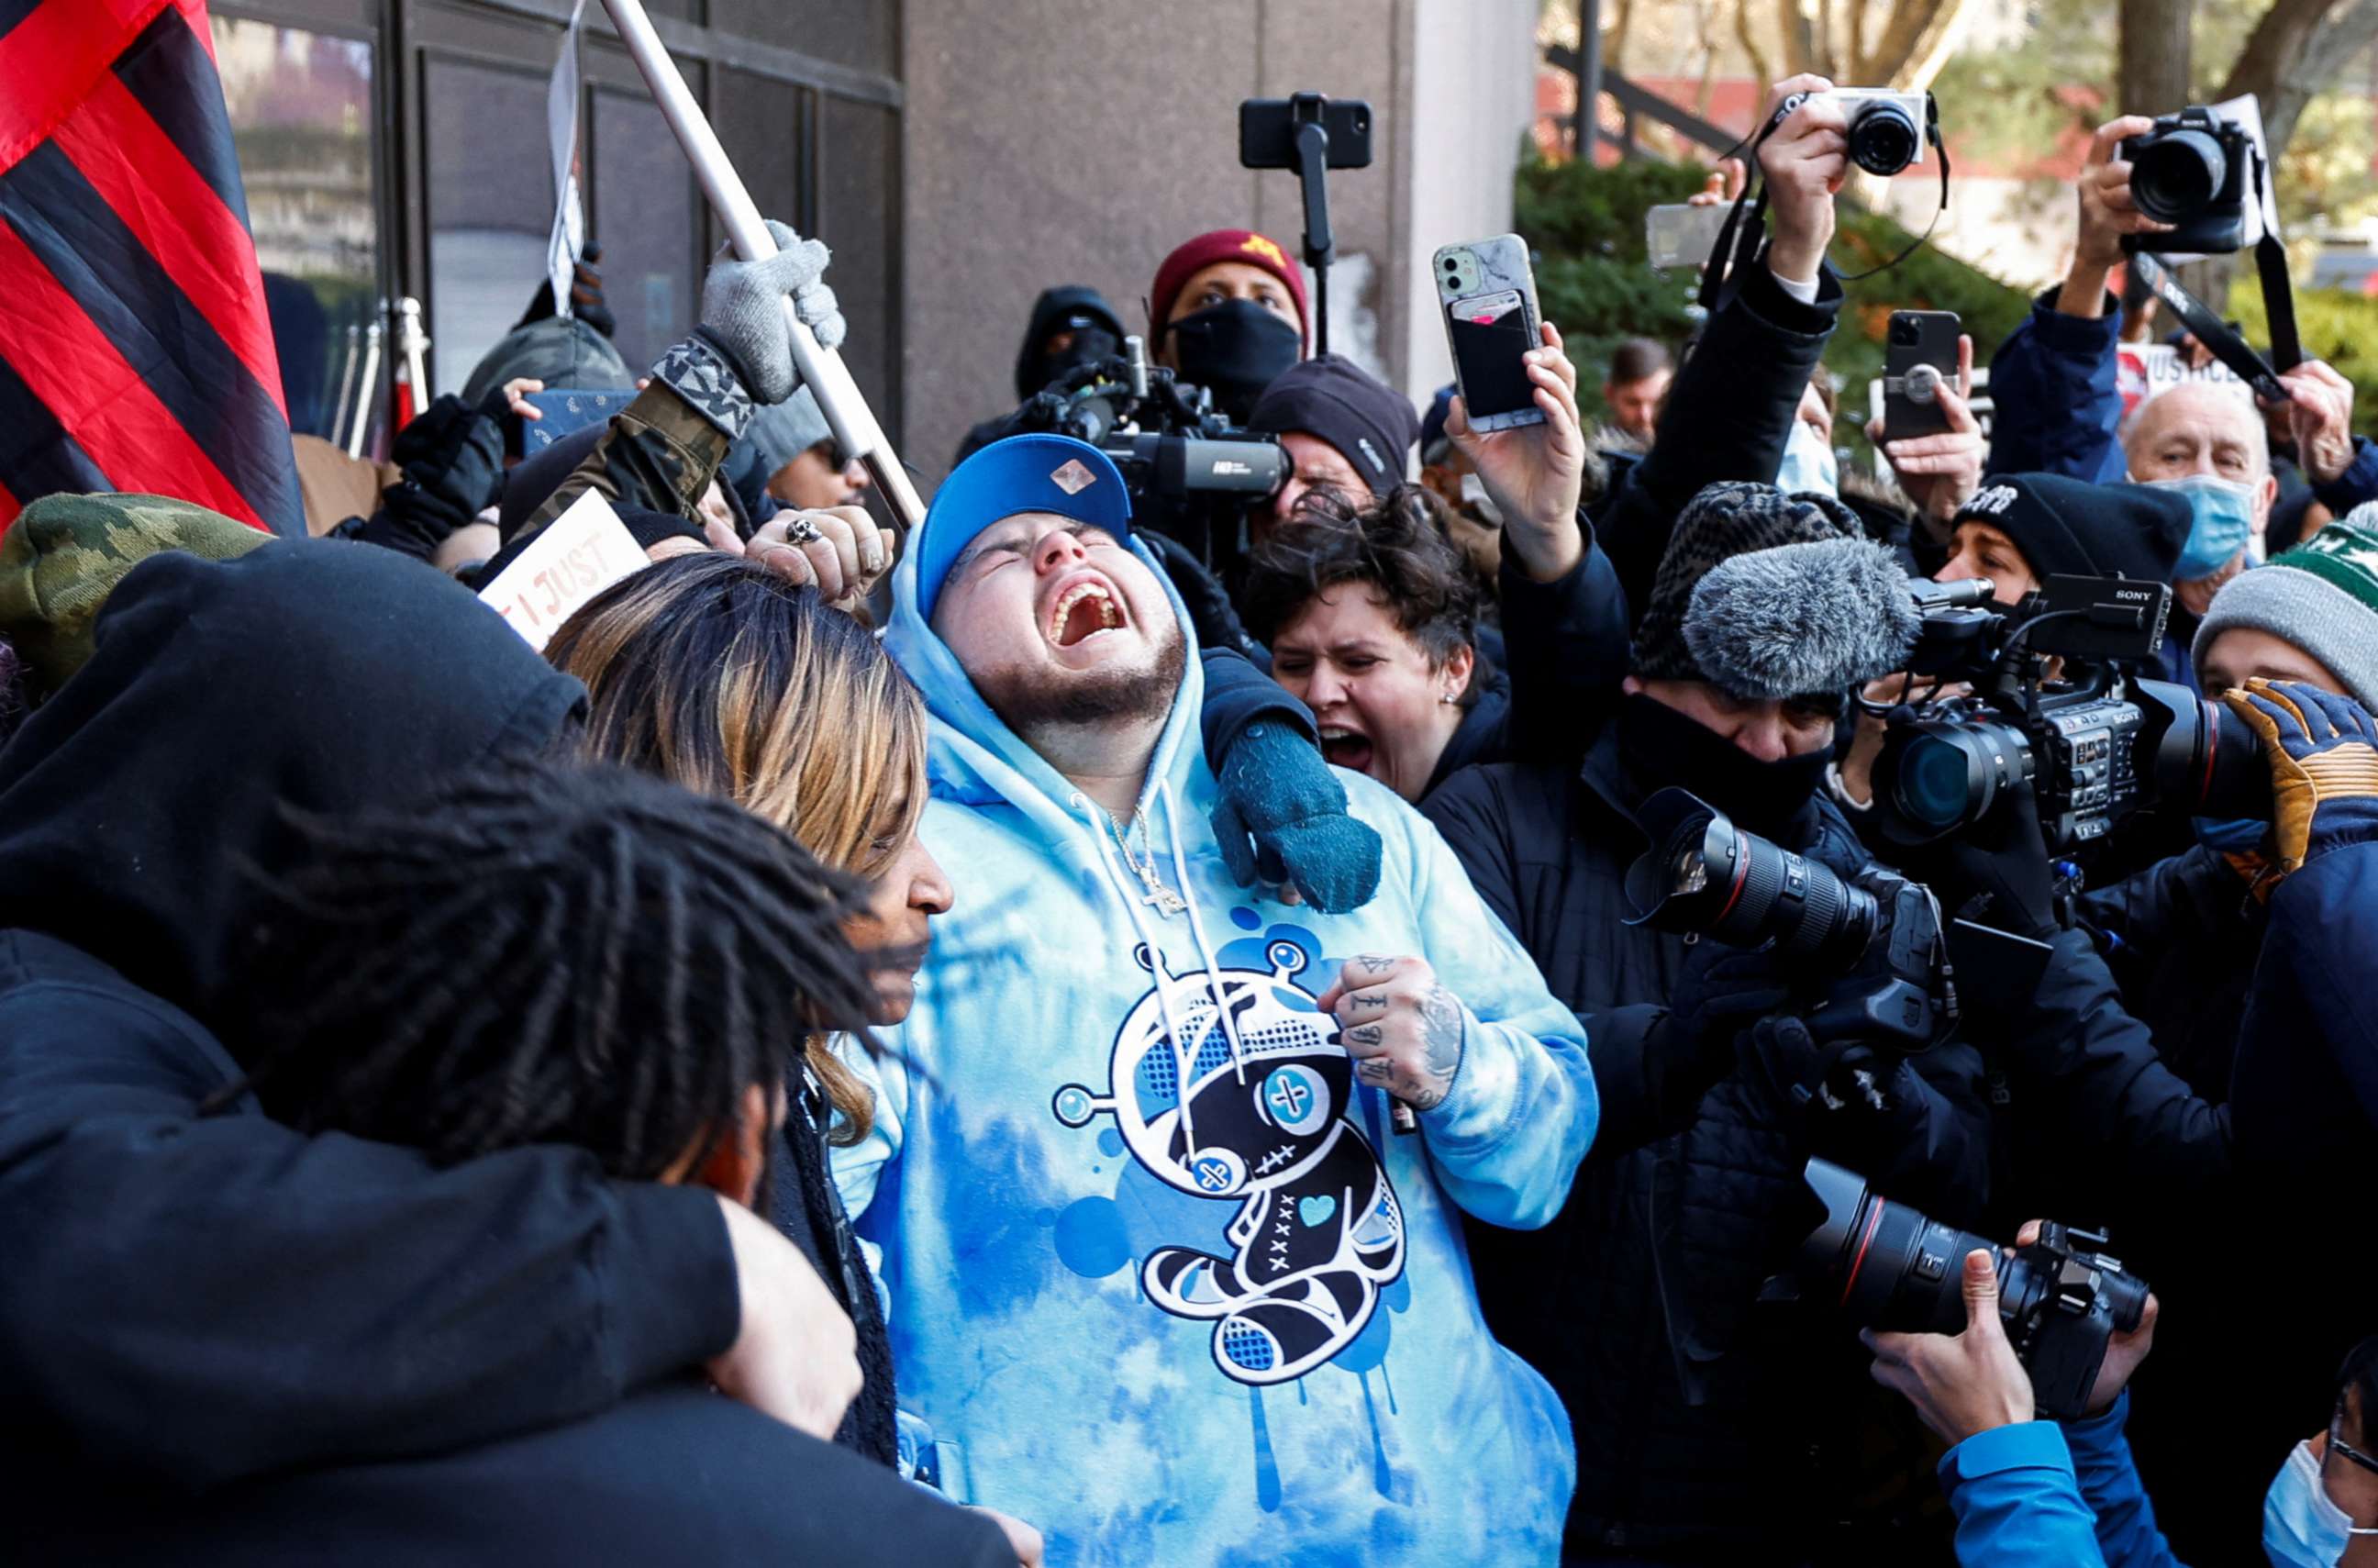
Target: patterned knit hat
<point>2321,596</point>
<point>1771,595</point>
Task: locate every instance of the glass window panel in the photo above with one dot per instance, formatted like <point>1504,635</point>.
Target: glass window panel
<point>643,214</point>
<point>864,34</point>
<point>300,105</point>
<point>490,201</point>
<point>859,218</point>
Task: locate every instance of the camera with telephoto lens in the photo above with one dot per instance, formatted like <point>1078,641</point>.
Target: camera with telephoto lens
<point>1184,462</point>
<point>1892,1268</point>
<point>2094,743</point>
<point>1886,127</point>
<point>1705,876</point>
<point>2195,170</point>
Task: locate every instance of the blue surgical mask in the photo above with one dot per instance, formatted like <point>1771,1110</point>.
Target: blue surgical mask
<point>2302,1526</point>
<point>2224,522</point>
<point>2232,836</point>
<point>1807,464</point>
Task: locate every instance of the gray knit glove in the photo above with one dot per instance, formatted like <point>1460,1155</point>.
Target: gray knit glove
<point>743,314</point>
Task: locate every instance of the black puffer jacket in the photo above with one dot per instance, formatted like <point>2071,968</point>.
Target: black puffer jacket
<point>1696,1414</point>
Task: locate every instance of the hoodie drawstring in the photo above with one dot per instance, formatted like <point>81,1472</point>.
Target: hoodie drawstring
<point>1155,955</point>
<point>1197,932</point>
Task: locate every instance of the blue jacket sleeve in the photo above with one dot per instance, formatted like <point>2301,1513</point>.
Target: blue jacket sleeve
<point>188,1300</point>
<point>1237,694</point>
<point>2306,1083</point>
<point>2052,385</point>
<point>2017,1501</point>
<point>2109,1485</point>
<point>2357,484</point>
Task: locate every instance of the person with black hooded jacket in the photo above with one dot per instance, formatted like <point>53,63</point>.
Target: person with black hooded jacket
<point>1692,1410</point>
<point>194,1301</point>
<point>1071,326</point>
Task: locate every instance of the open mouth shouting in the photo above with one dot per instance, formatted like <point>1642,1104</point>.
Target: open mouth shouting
<point>1083,611</point>
<point>1346,747</point>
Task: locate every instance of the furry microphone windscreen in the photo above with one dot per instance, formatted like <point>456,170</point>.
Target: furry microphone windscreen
<point>1801,619</point>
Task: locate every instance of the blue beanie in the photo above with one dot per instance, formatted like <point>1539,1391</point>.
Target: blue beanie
<point>1036,473</point>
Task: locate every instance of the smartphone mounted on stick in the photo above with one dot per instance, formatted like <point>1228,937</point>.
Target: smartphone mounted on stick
<point>1488,293</point>
<point>1919,358</point>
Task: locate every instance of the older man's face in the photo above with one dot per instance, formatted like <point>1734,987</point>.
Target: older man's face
<point>1055,622</point>
<point>2203,430</point>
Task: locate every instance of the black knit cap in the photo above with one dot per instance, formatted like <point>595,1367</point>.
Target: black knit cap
<point>1369,422</point>
<point>1722,522</point>
<point>2070,527</point>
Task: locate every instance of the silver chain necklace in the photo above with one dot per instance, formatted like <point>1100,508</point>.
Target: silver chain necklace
<point>1160,897</point>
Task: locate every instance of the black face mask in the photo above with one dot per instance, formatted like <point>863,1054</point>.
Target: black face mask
<point>1235,349</point>
<point>1664,749</point>
<point>1090,345</point>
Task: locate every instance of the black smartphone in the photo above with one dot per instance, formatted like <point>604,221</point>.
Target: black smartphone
<point>1268,130</point>
<point>1919,356</point>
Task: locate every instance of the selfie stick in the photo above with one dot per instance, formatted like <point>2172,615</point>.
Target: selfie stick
<point>1313,183</point>
<point>821,368</point>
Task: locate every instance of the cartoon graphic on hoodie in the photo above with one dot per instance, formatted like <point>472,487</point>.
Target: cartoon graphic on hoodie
<point>1234,1086</point>
<point>1106,1106</point>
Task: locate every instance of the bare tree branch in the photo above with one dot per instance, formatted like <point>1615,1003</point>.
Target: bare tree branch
<point>1760,70</point>
<point>1916,32</point>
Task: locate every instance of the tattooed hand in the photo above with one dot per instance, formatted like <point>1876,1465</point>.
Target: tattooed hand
<point>1401,1026</point>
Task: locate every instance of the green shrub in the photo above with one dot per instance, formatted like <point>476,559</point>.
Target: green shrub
<point>1587,227</point>
<point>2332,325</point>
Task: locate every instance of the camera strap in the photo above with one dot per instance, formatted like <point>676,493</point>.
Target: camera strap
<point>2279,305</point>
<point>1746,223</point>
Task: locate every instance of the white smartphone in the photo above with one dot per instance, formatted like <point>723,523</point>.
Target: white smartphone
<point>1488,293</point>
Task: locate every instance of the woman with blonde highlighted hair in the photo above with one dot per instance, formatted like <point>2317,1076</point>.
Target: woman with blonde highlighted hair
<point>720,675</point>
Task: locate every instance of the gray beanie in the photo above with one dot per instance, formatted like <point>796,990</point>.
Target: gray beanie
<point>2321,596</point>
<point>781,431</point>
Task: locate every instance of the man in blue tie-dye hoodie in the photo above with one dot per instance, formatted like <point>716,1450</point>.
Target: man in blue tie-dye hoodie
<point>1165,1274</point>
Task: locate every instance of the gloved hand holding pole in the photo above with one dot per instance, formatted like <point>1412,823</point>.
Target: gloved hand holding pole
<point>821,368</point>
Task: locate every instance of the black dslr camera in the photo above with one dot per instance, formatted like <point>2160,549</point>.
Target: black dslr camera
<point>2195,170</point>
<point>1892,1268</point>
<point>1186,465</point>
<point>1703,875</point>
<point>2094,743</point>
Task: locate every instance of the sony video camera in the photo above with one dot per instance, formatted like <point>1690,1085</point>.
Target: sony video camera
<point>2094,743</point>
<point>2195,170</point>
<point>1892,1268</point>
<point>1887,128</point>
<point>1184,462</point>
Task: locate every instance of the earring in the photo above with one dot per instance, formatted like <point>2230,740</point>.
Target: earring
<point>1447,697</point>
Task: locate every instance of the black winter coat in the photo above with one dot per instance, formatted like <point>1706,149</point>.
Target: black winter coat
<point>1728,416</point>
<point>1693,1425</point>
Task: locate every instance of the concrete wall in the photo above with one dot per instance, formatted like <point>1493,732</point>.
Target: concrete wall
<point>1077,141</point>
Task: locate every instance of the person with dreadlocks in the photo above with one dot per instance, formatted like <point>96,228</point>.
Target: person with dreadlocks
<point>720,675</point>
<point>642,966</point>
<point>188,1303</point>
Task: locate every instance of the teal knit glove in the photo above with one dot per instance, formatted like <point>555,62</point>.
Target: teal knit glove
<point>1283,818</point>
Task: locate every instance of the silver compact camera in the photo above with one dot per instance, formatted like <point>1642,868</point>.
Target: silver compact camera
<point>1886,127</point>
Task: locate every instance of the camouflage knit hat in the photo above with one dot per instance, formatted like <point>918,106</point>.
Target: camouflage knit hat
<point>1771,596</point>
<point>65,554</point>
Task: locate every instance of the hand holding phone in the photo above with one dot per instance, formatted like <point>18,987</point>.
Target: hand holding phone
<point>1488,293</point>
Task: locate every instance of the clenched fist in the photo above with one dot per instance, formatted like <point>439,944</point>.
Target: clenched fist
<point>1404,1030</point>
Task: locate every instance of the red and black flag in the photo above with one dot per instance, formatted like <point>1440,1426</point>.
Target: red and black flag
<point>135,351</point>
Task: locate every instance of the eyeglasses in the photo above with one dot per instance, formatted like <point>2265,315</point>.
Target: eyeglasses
<point>2339,1446</point>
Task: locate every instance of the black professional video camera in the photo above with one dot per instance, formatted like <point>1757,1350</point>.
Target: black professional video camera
<point>1892,1268</point>
<point>2094,743</point>
<point>2195,170</point>
<point>1186,465</point>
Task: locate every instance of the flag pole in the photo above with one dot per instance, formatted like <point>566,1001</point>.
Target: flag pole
<point>838,395</point>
